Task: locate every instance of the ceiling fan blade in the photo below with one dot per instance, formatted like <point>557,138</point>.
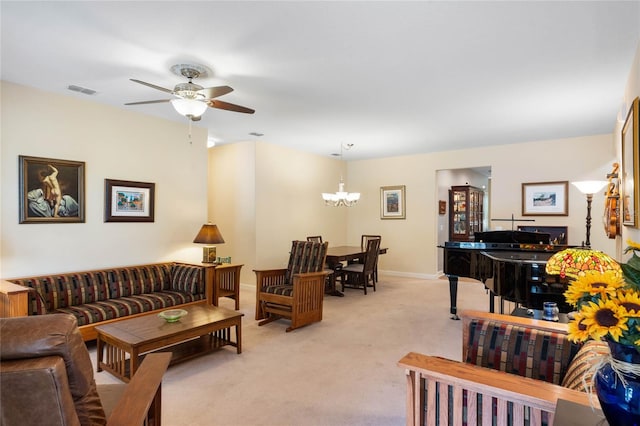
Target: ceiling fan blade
<point>153,86</point>
<point>229,107</point>
<point>149,102</point>
<point>214,92</point>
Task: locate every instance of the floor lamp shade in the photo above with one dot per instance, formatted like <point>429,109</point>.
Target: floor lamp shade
<point>209,234</point>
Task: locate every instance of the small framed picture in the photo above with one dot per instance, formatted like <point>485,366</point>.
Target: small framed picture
<point>51,191</point>
<point>442,207</point>
<point>392,202</point>
<point>545,199</point>
<point>127,201</point>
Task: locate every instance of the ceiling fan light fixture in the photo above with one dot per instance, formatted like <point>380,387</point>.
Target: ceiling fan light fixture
<point>189,107</point>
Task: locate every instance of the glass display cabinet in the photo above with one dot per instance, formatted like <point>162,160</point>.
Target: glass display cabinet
<point>465,216</point>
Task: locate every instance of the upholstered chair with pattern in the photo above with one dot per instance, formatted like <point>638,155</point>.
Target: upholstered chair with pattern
<point>295,293</point>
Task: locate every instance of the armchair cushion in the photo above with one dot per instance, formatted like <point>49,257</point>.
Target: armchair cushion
<point>25,337</point>
<point>282,290</point>
<point>581,366</point>
<point>528,352</point>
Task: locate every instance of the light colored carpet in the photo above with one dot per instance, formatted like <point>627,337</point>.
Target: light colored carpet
<point>341,371</point>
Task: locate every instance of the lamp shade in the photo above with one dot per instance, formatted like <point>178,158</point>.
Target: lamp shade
<point>189,107</point>
<point>574,262</point>
<point>209,234</point>
<point>590,186</point>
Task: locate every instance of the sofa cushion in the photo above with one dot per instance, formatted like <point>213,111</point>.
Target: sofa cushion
<point>116,308</point>
<point>582,365</point>
<point>133,280</point>
<point>59,291</point>
<point>520,350</point>
<point>187,279</point>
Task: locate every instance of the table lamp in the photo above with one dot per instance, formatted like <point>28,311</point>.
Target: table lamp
<point>573,262</point>
<point>209,234</point>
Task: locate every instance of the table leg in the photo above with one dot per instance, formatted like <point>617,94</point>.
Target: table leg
<point>453,295</point>
<point>238,337</point>
<point>99,349</point>
<point>133,362</point>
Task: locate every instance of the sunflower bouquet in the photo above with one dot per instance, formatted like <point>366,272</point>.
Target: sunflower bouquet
<point>607,301</point>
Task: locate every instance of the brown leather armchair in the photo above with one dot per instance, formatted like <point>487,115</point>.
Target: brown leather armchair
<point>46,375</point>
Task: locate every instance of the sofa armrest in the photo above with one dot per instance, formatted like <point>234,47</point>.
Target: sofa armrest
<point>14,299</point>
<point>142,398</point>
<point>265,278</point>
<point>452,390</point>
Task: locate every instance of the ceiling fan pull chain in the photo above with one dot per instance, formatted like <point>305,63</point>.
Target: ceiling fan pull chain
<point>190,141</point>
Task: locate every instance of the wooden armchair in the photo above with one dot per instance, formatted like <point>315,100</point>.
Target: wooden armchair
<point>534,357</point>
<point>297,292</point>
<point>46,376</point>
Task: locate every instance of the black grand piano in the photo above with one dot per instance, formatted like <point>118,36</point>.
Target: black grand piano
<point>510,264</point>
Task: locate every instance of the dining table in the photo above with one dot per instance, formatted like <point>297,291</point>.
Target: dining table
<point>338,254</point>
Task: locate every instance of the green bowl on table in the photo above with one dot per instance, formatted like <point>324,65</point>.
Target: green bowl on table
<point>172,315</point>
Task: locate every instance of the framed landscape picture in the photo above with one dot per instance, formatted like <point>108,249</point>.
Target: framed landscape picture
<point>127,201</point>
<point>51,190</point>
<point>545,199</point>
<point>392,202</point>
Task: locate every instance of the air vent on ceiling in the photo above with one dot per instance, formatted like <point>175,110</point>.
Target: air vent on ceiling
<point>256,134</point>
<point>81,89</point>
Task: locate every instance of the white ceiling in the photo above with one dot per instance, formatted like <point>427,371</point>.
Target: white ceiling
<point>392,78</point>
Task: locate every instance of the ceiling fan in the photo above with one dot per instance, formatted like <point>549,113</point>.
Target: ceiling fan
<point>190,99</point>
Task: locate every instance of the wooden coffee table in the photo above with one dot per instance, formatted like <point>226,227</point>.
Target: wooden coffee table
<point>122,344</point>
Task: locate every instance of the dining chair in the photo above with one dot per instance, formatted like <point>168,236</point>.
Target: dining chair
<point>296,292</point>
<point>363,245</point>
<point>315,238</point>
<point>357,275</point>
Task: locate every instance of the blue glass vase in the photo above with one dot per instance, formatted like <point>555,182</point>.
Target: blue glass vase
<point>620,402</point>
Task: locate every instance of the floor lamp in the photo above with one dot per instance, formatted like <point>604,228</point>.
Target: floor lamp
<point>589,187</point>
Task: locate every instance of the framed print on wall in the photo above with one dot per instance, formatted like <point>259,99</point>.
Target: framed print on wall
<point>392,200</point>
<point>630,172</point>
<point>51,191</point>
<point>127,201</point>
<point>545,199</point>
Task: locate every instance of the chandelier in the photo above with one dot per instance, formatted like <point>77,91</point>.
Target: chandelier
<point>342,197</point>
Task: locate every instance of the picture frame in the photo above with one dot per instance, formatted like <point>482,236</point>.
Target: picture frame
<point>392,202</point>
<point>557,234</point>
<point>545,198</point>
<point>51,190</point>
<point>630,173</point>
<point>128,201</point>
<point>442,207</point>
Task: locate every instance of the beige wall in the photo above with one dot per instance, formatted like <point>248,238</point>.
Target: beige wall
<point>275,192</point>
<point>413,242</point>
<point>288,184</point>
<point>116,144</point>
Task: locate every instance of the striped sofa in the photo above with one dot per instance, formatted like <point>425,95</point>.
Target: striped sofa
<point>101,296</point>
